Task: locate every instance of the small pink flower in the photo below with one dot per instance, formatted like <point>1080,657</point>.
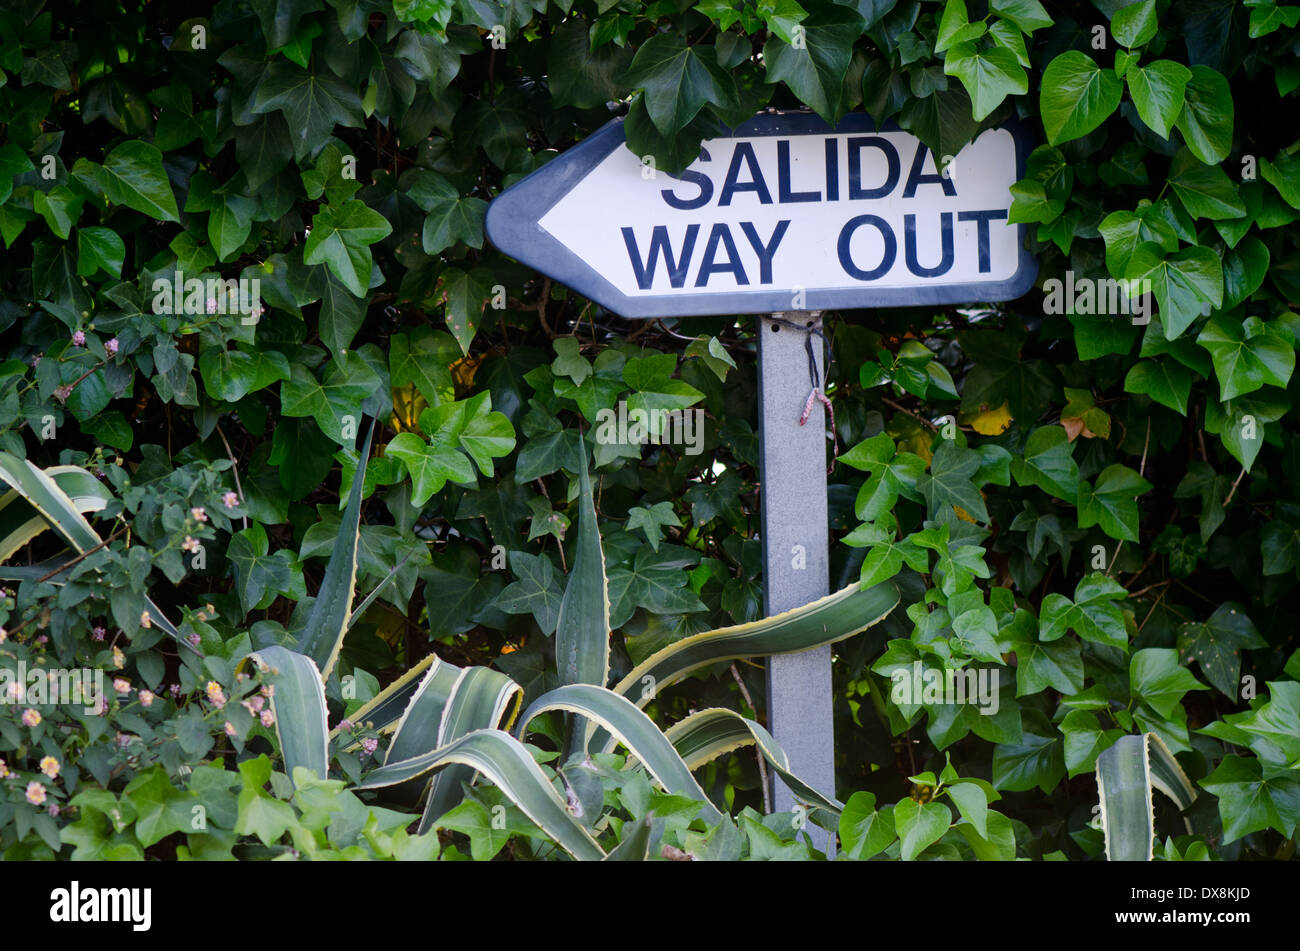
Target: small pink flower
<point>52,809</point>
<point>31,717</point>
<point>370,744</point>
<point>145,621</point>
<point>198,514</point>
<point>42,639</point>
<point>4,635</point>
<point>79,339</point>
<point>215,694</point>
<point>4,770</point>
<point>110,346</point>
<point>50,767</point>
<point>230,729</point>
<point>61,393</point>
<point>146,698</point>
<point>267,718</point>
<point>123,739</point>
<point>36,360</point>
<point>194,638</point>
<point>121,685</point>
<point>345,725</point>
<point>190,544</point>
<point>268,690</point>
<point>98,633</point>
<point>257,703</point>
<point>119,659</point>
<point>35,793</point>
<point>230,500</point>
<point>211,305</point>
<point>174,690</point>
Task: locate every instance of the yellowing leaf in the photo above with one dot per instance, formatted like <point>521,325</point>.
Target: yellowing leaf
<point>990,422</point>
<point>964,515</point>
<point>463,370</point>
<point>407,406</point>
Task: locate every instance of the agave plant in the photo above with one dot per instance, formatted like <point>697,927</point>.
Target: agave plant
<point>56,499</point>
<point>449,724</point>
<point>1127,773</point>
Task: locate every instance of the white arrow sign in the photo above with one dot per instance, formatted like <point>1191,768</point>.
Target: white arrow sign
<point>786,214</point>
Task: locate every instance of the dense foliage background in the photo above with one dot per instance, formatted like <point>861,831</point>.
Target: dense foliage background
<point>1110,516</point>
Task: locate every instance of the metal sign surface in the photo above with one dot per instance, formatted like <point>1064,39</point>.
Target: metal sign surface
<point>785,214</point>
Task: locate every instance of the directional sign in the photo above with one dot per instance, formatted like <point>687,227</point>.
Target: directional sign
<point>785,214</point>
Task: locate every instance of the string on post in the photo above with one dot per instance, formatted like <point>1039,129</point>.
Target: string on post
<point>817,394</point>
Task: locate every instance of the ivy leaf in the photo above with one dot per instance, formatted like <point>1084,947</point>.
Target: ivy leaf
<point>1157,92</point>
<point>569,361</point>
<point>1134,26</point>
<point>1027,15</point>
<point>229,223</point>
<point>259,575</point>
<point>1240,423</point>
<point>1277,721</point>
<point>1216,644</point>
<point>1206,119</point>
<point>1205,190</point>
<point>1111,502</point>
<point>1093,614</point>
<point>231,375</point>
<point>1249,803</point>
<point>1076,96</point>
<point>892,474</point>
<point>864,830</point>
<point>1058,665</point>
<point>580,76</point>
<point>1166,381</point>
<point>1247,355</point>
<point>677,80</point>
<point>160,808</point>
<point>312,104</point>
<point>655,582</point>
<point>1156,677</point>
<point>1036,761</point>
<point>989,75</point>
<point>340,239</point>
<point>465,295</point>
<point>1183,282</point>
<point>423,358</point>
<point>13,161</point>
<point>652,521</point>
<point>341,313</point>
<point>942,120</point>
<point>133,175</point>
<point>815,73</point>
<point>99,249</point>
<point>949,481</point>
<point>1085,741</point>
<point>334,399</point>
<point>450,218</point>
<point>538,590</point>
<point>430,466</point>
<point>1048,462</point>
<point>919,826</point>
<point>955,27</point>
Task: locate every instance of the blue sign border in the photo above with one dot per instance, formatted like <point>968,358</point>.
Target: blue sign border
<point>513,216</point>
